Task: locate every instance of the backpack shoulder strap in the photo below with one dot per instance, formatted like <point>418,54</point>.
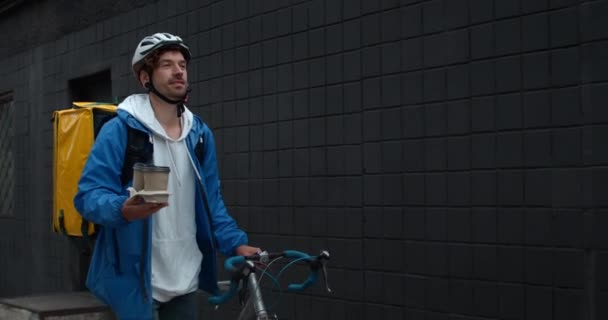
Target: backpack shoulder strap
<point>139,149</point>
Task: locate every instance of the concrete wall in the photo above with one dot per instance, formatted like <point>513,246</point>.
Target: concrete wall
<point>448,152</point>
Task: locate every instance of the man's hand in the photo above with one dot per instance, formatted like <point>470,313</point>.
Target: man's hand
<point>137,208</point>
<point>247,250</point>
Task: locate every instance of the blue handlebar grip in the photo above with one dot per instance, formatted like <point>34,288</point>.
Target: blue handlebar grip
<point>293,254</point>
<point>230,262</point>
<point>215,300</point>
<point>298,287</point>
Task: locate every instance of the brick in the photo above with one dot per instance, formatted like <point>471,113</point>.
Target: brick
<point>413,121</point>
<point>436,224</point>
<point>537,148</point>
<point>334,69</point>
<point>318,164</point>
<point>539,303</point>
<point>568,228</point>
<point>591,20</point>
<point>485,299</point>
<point>539,266</point>
<point>535,5</point>
<point>508,74</point>
<point>299,20</point>
<point>565,107</point>
<point>538,187</point>
<point>373,126</point>
<point>482,40</point>
<point>564,26</point>
<point>484,262</point>
<point>300,46</point>
<point>436,154</point>
<point>256,138</point>
<point>432,16</point>
<point>437,259</point>
<point>413,190</point>
<point>458,85</point>
<point>599,183</point>
<point>351,34</point>
<point>567,147</point>
<point>370,6</point>
<point>480,10</point>
<point>594,64</point>
<point>511,301</point>
<point>537,109</point>
<point>415,291</point>
<point>411,21</point>
<point>391,94</point>
<point>390,19</point>
<point>569,304</point>
<point>511,264</point>
<point>415,261</point>
<point>567,188</point>
<point>536,35</point>
<point>317,71</point>
<point>510,225</point>
<point>509,150</point>
<point>434,85</point>
<point>333,11</point>
<point>412,85</point>
<point>504,9</point>
<point>569,268</point>
<point>459,189</point>
<point>352,191</point>
<point>459,117</point>
<point>509,111</point>
<point>565,67</point>
<point>436,189</point>
<point>434,52</point>
<point>301,160</point>
<point>482,78</point>
<point>391,157</point>
<point>461,296</point>
<point>435,122</point>
<point>352,66</point>
<point>459,153</point>
<point>300,103</point>
<point>461,261</point>
<point>483,114</point>
<point>317,102</point>
<point>316,13</point>
<point>459,13</point>
<point>536,70</point>
<point>373,190</point>
<point>370,27</point>
<point>507,36</point>
<point>333,39</point>
<point>437,295</point>
<point>459,225</point>
<point>413,156</point>
<point>371,93</point>
<point>483,153</point>
<point>538,227</point>
<point>286,163</point>
<point>601,262</point>
<point>483,188</point>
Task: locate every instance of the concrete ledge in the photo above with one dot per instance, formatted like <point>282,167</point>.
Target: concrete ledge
<point>55,306</point>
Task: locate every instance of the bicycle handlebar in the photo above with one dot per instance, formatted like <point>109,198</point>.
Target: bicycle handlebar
<point>236,264</point>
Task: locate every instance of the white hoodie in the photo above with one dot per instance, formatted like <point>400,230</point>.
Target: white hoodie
<point>176,259</point>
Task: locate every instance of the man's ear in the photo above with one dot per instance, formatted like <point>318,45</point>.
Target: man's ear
<point>144,78</point>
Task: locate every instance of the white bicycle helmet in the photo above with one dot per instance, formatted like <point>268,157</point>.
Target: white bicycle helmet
<point>151,43</point>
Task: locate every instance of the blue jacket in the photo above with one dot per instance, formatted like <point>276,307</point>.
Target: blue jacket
<point>119,273</point>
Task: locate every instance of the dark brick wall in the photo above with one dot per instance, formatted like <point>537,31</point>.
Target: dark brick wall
<point>448,152</point>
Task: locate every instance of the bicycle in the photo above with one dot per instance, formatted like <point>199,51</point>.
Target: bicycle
<point>243,271</point>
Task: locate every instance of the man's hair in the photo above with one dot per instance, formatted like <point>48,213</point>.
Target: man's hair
<point>151,62</point>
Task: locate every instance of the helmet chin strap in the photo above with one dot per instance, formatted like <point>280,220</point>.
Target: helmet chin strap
<point>178,103</point>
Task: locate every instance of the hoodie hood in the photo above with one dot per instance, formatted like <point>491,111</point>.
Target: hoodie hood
<point>138,105</point>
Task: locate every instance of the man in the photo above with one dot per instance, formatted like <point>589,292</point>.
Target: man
<point>150,258</point>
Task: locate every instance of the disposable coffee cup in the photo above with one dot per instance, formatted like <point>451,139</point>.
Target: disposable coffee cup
<point>156,178</point>
<point>138,175</point>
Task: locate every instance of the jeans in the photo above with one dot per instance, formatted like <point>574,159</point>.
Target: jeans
<point>179,308</point>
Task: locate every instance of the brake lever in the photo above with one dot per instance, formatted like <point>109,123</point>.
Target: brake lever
<point>324,256</point>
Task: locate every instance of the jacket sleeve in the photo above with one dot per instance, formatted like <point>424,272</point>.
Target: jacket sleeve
<point>100,193</point>
<point>227,233</point>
